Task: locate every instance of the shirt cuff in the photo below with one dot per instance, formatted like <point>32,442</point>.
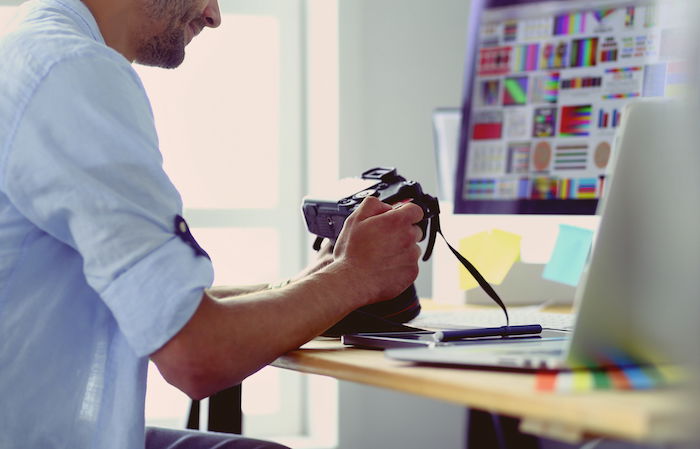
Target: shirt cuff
<point>157,296</point>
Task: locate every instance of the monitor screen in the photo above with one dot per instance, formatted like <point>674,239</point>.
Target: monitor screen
<point>545,87</point>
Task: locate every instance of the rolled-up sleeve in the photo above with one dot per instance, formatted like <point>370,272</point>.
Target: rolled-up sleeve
<point>84,166</point>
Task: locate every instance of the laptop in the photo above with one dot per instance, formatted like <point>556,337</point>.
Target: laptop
<point>644,270</point>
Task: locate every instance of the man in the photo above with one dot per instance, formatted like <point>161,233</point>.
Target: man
<point>98,271</point>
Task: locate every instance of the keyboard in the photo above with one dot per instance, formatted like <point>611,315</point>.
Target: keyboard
<point>447,319</point>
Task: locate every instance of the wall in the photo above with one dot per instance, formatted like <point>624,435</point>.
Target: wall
<point>399,60</point>
<point>376,417</point>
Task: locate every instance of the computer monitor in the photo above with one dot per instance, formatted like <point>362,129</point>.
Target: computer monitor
<point>545,83</point>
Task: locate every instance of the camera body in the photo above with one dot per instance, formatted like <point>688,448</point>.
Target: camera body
<point>325,218</point>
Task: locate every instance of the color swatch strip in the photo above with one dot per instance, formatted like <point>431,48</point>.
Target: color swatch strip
<point>572,23</point>
<point>612,378</point>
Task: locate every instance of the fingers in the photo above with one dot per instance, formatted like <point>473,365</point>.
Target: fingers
<point>370,207</point>
<point>379,243</point>
<point>411,212</point>
<point>389,222</point>
<point>405,212</point>
<point>418,233</point>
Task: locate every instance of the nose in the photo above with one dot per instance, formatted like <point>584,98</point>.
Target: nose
<point>212,14</point>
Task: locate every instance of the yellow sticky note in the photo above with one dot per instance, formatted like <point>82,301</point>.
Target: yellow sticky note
<point>493,253</point>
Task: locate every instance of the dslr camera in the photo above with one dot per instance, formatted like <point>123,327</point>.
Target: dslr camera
<point>325,219</point>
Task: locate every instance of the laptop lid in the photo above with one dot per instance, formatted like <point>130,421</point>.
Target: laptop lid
<point>644,263</point>
<point>643,266</point>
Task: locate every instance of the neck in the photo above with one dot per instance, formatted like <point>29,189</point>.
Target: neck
<point>113,17</point>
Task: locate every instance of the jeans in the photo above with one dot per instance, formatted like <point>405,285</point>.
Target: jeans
<point>160,438</point>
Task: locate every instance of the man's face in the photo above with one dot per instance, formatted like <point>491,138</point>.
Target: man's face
<point>169,25</point>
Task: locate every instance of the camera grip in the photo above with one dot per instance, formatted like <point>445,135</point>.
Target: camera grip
<point>384,316</point>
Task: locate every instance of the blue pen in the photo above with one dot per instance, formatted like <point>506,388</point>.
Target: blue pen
<point>503,331</point>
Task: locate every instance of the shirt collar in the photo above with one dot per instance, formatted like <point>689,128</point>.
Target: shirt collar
<point>85,17</point>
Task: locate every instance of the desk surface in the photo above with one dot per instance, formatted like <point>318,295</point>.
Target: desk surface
<point>642,416</point>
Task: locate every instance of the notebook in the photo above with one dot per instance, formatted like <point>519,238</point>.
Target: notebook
<point>643,268</point>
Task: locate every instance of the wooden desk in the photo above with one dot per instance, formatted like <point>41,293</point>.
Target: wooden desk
<point>639,416</point>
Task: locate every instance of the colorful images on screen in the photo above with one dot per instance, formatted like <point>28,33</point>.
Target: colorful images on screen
<point>586,188</point>
<point>515,91</point>
<point>583,52</point>
<point>542,157</point>
<point>566,188</point>
<point>544,188</point>
<point>576,120</point>
<point>525,57</point>
<point>490,90</point>
<point>480,188</point>
<point>581,82</point>
<point>608,50</point>
<point>629,17</point>
<point>602,13</point>
<point>549,91</point>
<point>572,23</point>
<point>554,55</point>
<point>571,157</point>
<point>609,118</point>
<point>545,122</point>
<point>518,158</point>
<point>494,61</point>
<point>487,159</point>
<point>510,31</point>
<point>545,88</point>
<point>601,156</point>
<point>623,82</point>
<point>516,123</point>
<point>488,125</point>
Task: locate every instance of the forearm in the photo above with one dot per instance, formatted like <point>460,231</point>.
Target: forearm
<point>228,291</point>
<point>229,338</point>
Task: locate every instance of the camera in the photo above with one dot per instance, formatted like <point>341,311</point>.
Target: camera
<point>325,219</point>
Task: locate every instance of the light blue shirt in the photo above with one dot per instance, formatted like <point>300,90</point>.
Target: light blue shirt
<point>93,278</point>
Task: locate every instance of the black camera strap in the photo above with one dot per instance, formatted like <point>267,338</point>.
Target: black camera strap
<point>483,283</point>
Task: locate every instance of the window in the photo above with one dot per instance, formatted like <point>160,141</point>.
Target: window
<point>231,134</point>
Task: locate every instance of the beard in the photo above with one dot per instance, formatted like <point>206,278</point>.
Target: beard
<point>167,48</point>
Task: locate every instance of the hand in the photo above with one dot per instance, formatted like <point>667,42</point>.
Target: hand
<point>378,244</point>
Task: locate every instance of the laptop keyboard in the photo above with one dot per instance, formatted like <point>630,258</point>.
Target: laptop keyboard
<point>440,319</point>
